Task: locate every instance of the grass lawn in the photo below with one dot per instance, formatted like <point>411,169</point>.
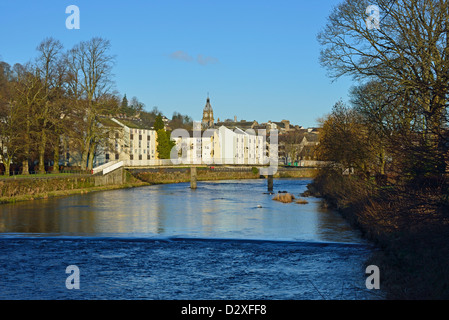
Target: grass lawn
<point>42,175</point>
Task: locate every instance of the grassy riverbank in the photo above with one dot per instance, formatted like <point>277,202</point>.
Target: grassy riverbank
<point>33,187</point>
<point>408,222</point>
<point>61,193</point>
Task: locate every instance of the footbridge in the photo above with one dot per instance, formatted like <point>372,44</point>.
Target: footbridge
<point>116,169</point>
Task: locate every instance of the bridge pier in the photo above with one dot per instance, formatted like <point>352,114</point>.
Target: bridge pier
<point>270,182</point>
<point>193,177</point>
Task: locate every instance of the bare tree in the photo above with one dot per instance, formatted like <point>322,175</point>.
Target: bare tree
<point>409,52</point>
<point>9,124</point>
<point>90,72</point>
<point>48,69</point>
<point>28,95</point>
<point>343,139</point>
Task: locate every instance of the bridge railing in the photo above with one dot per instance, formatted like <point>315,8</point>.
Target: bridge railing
<point>187,162</point>
<point>218,162</point>
<point>108,167</point>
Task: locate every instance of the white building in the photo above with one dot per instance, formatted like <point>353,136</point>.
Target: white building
<point>138,143</point>
<point>226,144</point>
<point>221,146</point>
<point>199,147</point>
<point>127,141</point>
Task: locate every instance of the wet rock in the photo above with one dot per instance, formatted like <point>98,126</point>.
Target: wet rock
<point>301,201</point>
<point>284,198</point>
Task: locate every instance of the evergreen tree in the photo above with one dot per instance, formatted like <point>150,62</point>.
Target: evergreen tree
<point>164,144</point>
<point>124,105</point>
<point>159,123</point>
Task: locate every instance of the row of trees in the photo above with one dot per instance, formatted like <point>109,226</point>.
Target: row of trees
<point>61,95</point>
<point>399,116</point>
<point>395,128</point>
<point>58,93</point>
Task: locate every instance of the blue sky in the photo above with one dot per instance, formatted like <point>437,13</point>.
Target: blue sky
<point>258,60</point>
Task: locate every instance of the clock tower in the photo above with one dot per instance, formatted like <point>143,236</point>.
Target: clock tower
<point>208,115</point>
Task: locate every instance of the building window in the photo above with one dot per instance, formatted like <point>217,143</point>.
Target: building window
<point>140,137</point>
<point>140,157</point>
<point>131,157</point>
<point>107,156</point>
<point>116,156</point>
<point>131,136</point>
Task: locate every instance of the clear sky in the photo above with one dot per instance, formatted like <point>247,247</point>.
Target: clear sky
<point>258,60</point>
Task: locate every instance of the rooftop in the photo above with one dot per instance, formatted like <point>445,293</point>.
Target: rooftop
<point>107,122</point>
<point>134,124</point>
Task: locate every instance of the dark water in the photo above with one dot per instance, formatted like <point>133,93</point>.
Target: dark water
<point>225,240</point>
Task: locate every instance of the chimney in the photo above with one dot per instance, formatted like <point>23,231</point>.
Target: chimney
<point>286,124</point>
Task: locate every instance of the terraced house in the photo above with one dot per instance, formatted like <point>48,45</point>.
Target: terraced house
<point>126,140</point>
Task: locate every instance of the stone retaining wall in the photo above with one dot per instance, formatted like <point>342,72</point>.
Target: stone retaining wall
<point>30,186</point>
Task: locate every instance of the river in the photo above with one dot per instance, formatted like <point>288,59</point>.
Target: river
<point>225,240</point>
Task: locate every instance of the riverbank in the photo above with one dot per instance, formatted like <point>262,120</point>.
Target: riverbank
<point>62,193</point>
<point>407,223</point>
<point>33,188</point>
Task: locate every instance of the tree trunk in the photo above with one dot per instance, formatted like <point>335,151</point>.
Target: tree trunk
<point>84,157</point>
<point>90,165</point>
<point>382,161</point>
<point>25,167</point>
<point>43,142</point>
<point>41,165</point>
<point>7,164</point>
<point>56,157</point>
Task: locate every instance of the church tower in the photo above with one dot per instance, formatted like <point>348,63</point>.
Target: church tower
<point>208,115</point>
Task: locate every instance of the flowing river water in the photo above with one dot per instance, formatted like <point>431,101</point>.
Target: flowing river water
<point>225,240</point>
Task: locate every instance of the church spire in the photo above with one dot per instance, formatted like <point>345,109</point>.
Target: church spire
<point>208,114</point>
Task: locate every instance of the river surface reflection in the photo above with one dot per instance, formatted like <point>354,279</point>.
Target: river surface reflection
<point>219,209</point>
